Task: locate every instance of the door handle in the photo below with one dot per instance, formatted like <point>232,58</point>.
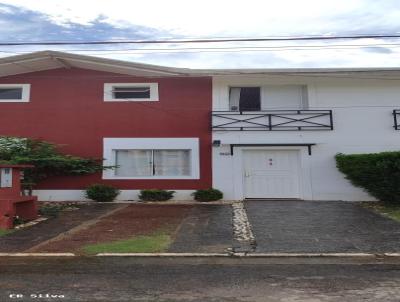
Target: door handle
<point>246,174</point>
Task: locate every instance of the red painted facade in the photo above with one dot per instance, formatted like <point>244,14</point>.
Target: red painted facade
<point>66,107</point>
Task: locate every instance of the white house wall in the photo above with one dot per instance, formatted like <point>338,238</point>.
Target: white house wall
<point>362,119</point>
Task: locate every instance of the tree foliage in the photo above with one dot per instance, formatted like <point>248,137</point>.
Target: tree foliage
<point>48,161</point>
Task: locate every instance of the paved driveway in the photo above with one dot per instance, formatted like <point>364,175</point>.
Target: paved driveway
<point>320,226</point>
<point>207,229</point>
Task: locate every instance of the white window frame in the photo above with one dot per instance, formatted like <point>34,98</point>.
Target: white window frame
<point>112,144</point>
<point>109,96</point>
<point>263,92</point>
<point>26,88</point>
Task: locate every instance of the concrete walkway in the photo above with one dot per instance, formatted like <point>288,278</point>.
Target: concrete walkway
<point>320,227</point>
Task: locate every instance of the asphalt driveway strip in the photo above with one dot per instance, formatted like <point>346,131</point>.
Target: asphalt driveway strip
<point>206,229</point>
<point>27,238</point>
<point>291,226</point>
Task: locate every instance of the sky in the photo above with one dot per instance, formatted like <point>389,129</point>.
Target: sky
<point>72,20</point>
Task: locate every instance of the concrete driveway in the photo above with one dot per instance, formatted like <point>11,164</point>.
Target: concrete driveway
<point>320,227</point>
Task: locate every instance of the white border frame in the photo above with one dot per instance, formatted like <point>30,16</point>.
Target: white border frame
<point>108,95</point>
<point>112,144</point>
<point>26,88</point>
<point>305,190</point>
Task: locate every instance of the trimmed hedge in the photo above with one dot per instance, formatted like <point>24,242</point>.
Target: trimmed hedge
<point>155,195</point>
<point>207,195</point>
<point>102,193</point>
<point>376,173</point>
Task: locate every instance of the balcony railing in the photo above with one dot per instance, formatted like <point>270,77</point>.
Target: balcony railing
<point>272,120</point>
<point>396,118</point>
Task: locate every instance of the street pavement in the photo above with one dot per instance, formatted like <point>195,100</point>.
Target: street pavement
<point>197,280</point>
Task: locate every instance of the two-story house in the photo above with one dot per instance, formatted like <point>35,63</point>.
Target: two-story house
<point>250,133</point>
<point>276,132</point>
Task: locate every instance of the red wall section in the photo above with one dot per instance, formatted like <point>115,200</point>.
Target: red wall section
<point>66,107</point>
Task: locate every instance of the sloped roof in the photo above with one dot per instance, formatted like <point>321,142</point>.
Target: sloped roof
<point>45,60</point>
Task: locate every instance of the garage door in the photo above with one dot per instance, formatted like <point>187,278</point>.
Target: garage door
<point>271,173</point>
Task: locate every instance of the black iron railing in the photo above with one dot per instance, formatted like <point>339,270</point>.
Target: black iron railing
<point>396,118</point>
<point>272,120</point>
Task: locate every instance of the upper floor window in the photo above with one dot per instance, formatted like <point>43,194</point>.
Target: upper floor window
<point>121,92</point>
<point>14,92</point>
<point>268,97</point>
<point>245,98</point>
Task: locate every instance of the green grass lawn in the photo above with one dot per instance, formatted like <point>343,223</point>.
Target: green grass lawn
<point>5,232</point>
<point>140,244</point>
<point>391,211</point>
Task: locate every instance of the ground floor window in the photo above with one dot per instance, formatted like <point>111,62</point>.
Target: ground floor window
<point>152,158</point>
<point>152,162</point>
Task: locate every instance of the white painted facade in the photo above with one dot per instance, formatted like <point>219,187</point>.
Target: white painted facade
<point>362,107</point>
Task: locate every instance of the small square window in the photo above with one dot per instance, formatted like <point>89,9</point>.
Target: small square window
<point>14,92</point>
<point>131,92</point>
<point>10,93</point>
<point>120,92</point>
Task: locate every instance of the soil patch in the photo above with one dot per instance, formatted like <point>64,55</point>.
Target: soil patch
<point>126,223</point>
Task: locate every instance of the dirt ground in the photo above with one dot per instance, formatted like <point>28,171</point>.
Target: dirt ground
<point>122,224</point>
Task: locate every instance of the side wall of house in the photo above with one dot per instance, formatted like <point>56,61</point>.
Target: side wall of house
<point>362,119</point>
<point>67,107</point>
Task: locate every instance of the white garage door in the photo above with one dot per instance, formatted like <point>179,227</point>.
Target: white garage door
<point>271,174</point>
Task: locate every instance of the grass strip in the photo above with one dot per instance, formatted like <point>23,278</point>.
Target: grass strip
<point>140,244</point>
<point>391,211</point>
<point>5,232</point>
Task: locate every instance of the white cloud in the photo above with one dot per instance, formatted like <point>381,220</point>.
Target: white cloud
<point>206,17</point>
<point>219,18</point>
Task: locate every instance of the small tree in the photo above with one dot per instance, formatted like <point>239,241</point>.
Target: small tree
<point>48,161</point>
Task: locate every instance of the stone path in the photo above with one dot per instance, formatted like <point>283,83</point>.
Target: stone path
<point>242,232</point>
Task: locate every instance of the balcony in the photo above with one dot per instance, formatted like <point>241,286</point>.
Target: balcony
<point>396,118</point>
<point>272,120</point>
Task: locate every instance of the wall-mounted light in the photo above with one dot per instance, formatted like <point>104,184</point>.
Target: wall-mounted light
<point>216,143</point>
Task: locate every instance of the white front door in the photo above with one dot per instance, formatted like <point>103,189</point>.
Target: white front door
<point>271,173</point>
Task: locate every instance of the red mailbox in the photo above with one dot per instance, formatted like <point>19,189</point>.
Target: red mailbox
<point>12,202</point>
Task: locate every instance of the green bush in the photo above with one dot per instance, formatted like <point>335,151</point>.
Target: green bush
<point>207,195</point>
<point>102,193</point>
<point>155,195</point>
<point>376,173</point>
<point>50,210</point>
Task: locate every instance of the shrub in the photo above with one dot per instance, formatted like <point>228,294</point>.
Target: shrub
<point>102,193</point>
<point>376,173</point>
<point>207,195</point>
<point>50,210</point>
<point>155,195</point>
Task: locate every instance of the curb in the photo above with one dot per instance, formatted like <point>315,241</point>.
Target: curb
<point>309,255</point>
<point>163,255</point>
<point>209,255</point>
<point>37,255</point>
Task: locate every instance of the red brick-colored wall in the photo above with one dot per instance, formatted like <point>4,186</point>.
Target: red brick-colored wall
<point>66,107</point>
